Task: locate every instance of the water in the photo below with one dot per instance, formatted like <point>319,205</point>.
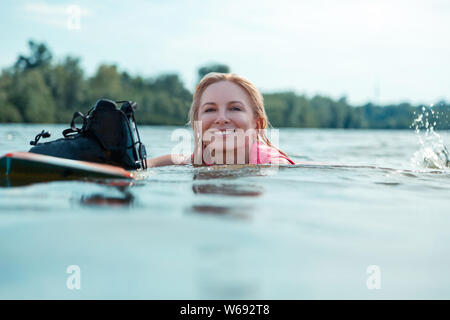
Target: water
<point>304,232</point>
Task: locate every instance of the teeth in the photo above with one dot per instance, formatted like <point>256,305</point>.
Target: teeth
<point>224,132</point>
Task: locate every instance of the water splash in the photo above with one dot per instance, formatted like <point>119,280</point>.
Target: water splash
<point>432,153</point>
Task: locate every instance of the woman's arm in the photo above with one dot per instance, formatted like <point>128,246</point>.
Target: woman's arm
<point>169,160</point>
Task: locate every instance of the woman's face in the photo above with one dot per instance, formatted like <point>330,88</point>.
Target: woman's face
<point>225,113</point>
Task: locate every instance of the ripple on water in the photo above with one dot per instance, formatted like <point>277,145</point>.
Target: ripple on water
<point>250,232</point>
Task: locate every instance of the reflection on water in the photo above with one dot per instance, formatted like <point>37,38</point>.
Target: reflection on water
<point>234,171</point>
<point>225,189</point>
<point>236,190</point>
<point>125,199</point>
<point>238,212</point>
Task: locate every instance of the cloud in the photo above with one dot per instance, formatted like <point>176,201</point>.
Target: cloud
<point>58,15</point>
<point>310,46</point>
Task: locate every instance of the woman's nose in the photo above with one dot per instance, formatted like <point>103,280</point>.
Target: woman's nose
<point>221,119</point>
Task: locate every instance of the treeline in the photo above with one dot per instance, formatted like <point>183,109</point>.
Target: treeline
<point>288,109</point>
<point>36,89</point>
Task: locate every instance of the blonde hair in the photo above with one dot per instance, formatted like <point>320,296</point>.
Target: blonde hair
<point>254,94</point>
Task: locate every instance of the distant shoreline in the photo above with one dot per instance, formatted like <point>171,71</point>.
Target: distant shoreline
<point>36,89</point>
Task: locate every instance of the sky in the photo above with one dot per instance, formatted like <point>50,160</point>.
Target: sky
<point>383,51</point>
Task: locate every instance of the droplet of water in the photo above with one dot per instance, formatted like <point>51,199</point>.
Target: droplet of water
<point>432,152</point>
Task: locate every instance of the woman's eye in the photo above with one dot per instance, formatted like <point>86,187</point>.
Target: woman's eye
<point>209,110</point>
<point>236,108</point>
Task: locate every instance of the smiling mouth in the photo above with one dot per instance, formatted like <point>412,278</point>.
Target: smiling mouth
<point>224,132</point>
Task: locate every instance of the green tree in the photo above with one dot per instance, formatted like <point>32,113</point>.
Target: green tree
<point>172,84</point>
<point>35,89</point>
<point>106,83</point>
<point>213,67</point>
<point>32,97</point>
<point>68,88</point>
<point>39,56</point>
<point>8,112</point>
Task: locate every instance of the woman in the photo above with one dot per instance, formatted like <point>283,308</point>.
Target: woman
<point>229,121</point>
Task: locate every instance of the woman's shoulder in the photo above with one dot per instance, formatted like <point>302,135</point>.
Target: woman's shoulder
<point>262,153</point>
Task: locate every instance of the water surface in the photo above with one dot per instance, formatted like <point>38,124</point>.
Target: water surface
<point>302,232</point>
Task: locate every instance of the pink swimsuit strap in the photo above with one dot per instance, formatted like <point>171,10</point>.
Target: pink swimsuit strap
<point>263,154</point>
